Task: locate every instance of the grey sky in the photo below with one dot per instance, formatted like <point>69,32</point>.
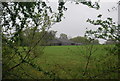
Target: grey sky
<point>75,23</point>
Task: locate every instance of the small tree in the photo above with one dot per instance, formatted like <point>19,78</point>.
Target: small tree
<point>63,36</point>
<point>28,17</point>
<point>107,29</point>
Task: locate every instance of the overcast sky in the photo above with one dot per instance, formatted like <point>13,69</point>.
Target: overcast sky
<point>75,23</point>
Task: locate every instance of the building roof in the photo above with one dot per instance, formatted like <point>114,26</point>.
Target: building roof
<point>63,42</point>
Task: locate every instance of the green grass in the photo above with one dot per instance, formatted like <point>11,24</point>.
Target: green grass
<point>69,62</point>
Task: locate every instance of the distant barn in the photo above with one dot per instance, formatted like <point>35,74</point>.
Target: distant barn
<point>59,42</point>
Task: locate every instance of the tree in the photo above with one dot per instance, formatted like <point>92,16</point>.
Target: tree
<point>20,16</point>
<point>33,35</point>
<point>50,35</point>
<point>110,41</point>
<point>83,40</point>
<point>80,39</point>
<point>63,36</point>
<point>107,30</point>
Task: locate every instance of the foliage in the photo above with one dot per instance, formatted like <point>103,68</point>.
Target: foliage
<point>88,3</point>
<point>33,36</point>
<point>107,30</point>
<point>83,40</point>
<point>27,15</point>
<point>110,41</point>
<point>20,19</point>
<point>63,36</point>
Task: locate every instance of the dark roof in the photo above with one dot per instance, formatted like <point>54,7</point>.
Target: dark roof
<point>54,41</point>
<point>63,42</point>
<point>57,40</point>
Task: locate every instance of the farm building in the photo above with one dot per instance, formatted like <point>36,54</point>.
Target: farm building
<point>59,41</point>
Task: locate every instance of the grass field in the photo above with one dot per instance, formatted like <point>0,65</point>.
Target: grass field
<point>69,62</point>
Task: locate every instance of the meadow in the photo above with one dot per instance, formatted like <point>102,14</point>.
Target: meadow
<point>74,62</point>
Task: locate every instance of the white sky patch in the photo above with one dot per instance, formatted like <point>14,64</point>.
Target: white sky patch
<point>109,0</point>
